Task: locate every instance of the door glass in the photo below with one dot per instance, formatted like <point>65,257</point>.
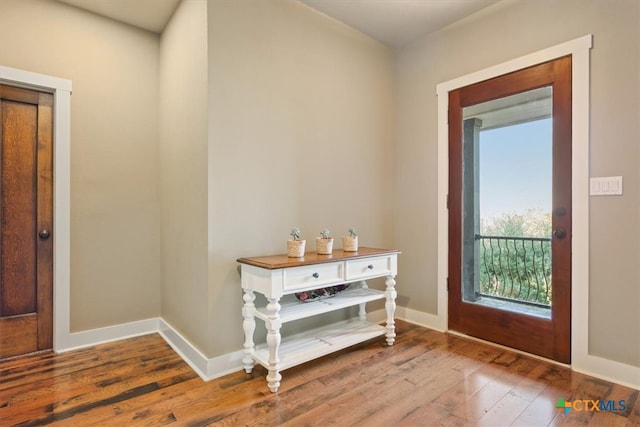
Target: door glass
<point>506,200</point>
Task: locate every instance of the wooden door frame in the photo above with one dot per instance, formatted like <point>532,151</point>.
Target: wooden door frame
<point>547,337</point>
<point>61,90</point>
<point>579,50</point>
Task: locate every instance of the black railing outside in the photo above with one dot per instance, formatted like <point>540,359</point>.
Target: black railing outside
<point>515,268</point>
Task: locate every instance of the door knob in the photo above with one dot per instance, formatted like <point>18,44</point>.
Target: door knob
<point>44,234</point>
<point>559,233</point>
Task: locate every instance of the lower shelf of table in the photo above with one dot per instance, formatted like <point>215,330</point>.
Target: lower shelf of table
<point>309,345</point>
<point>292,309</point>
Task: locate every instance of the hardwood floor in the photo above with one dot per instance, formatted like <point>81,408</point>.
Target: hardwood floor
<point>426,379</point>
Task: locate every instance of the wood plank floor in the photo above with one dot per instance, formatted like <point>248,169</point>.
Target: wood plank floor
<point>426,379</point>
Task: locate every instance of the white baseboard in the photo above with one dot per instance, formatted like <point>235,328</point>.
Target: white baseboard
<point>377,316</point>
<point>189,353</point>
<point>223,365</point>
<point>206,368</point>
<point>211,368</point>
<point>421,318</point>
<point>609,370</point>
<point>598,367</point>
<point>77,340</point>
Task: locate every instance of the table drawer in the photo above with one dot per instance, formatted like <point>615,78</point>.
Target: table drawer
<point>313,276</point>
<point>369,267</point>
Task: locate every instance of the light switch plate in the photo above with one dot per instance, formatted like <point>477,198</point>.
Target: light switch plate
<point>606,186</point>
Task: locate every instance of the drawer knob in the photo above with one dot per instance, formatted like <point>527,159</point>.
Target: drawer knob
<point>316,275</point>
<point>370,266</point>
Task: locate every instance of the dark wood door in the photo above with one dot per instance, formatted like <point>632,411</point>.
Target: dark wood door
<point>547,336</point>
<point>26,221</point>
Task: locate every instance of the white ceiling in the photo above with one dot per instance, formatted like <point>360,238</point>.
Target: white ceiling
<point>151,15</point>
<point>392,22</point>
<point>397,22</point>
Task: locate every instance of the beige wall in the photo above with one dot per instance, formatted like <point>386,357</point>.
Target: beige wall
<point>183,176</point>
<point>291,123</point>
<point>507,32</point>
<point>300,131</point>
<point>300,134</point>
<point>115,231</point>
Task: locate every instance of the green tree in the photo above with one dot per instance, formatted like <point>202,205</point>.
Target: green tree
<point>516,263</point>
<point>532,223</point>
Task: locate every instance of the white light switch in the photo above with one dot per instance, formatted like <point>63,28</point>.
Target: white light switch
<point>606,186</point>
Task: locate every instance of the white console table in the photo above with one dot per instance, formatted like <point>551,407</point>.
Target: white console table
<point>277,276</point>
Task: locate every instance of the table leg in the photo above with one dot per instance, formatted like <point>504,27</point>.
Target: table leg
<point>390,307</point>
<point>362,312</point>
<point>273,325</point>
<point>249,326</point>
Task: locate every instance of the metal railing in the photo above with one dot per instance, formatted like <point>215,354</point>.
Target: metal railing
<point>515,269</point>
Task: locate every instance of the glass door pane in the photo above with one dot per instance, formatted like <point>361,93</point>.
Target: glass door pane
<point>507,198</point>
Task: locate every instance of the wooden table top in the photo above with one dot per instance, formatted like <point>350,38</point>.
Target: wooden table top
<point>273,262</point>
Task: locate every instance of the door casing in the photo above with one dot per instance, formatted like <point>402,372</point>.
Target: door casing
<point>63,339</point>
<point>579,49</point>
